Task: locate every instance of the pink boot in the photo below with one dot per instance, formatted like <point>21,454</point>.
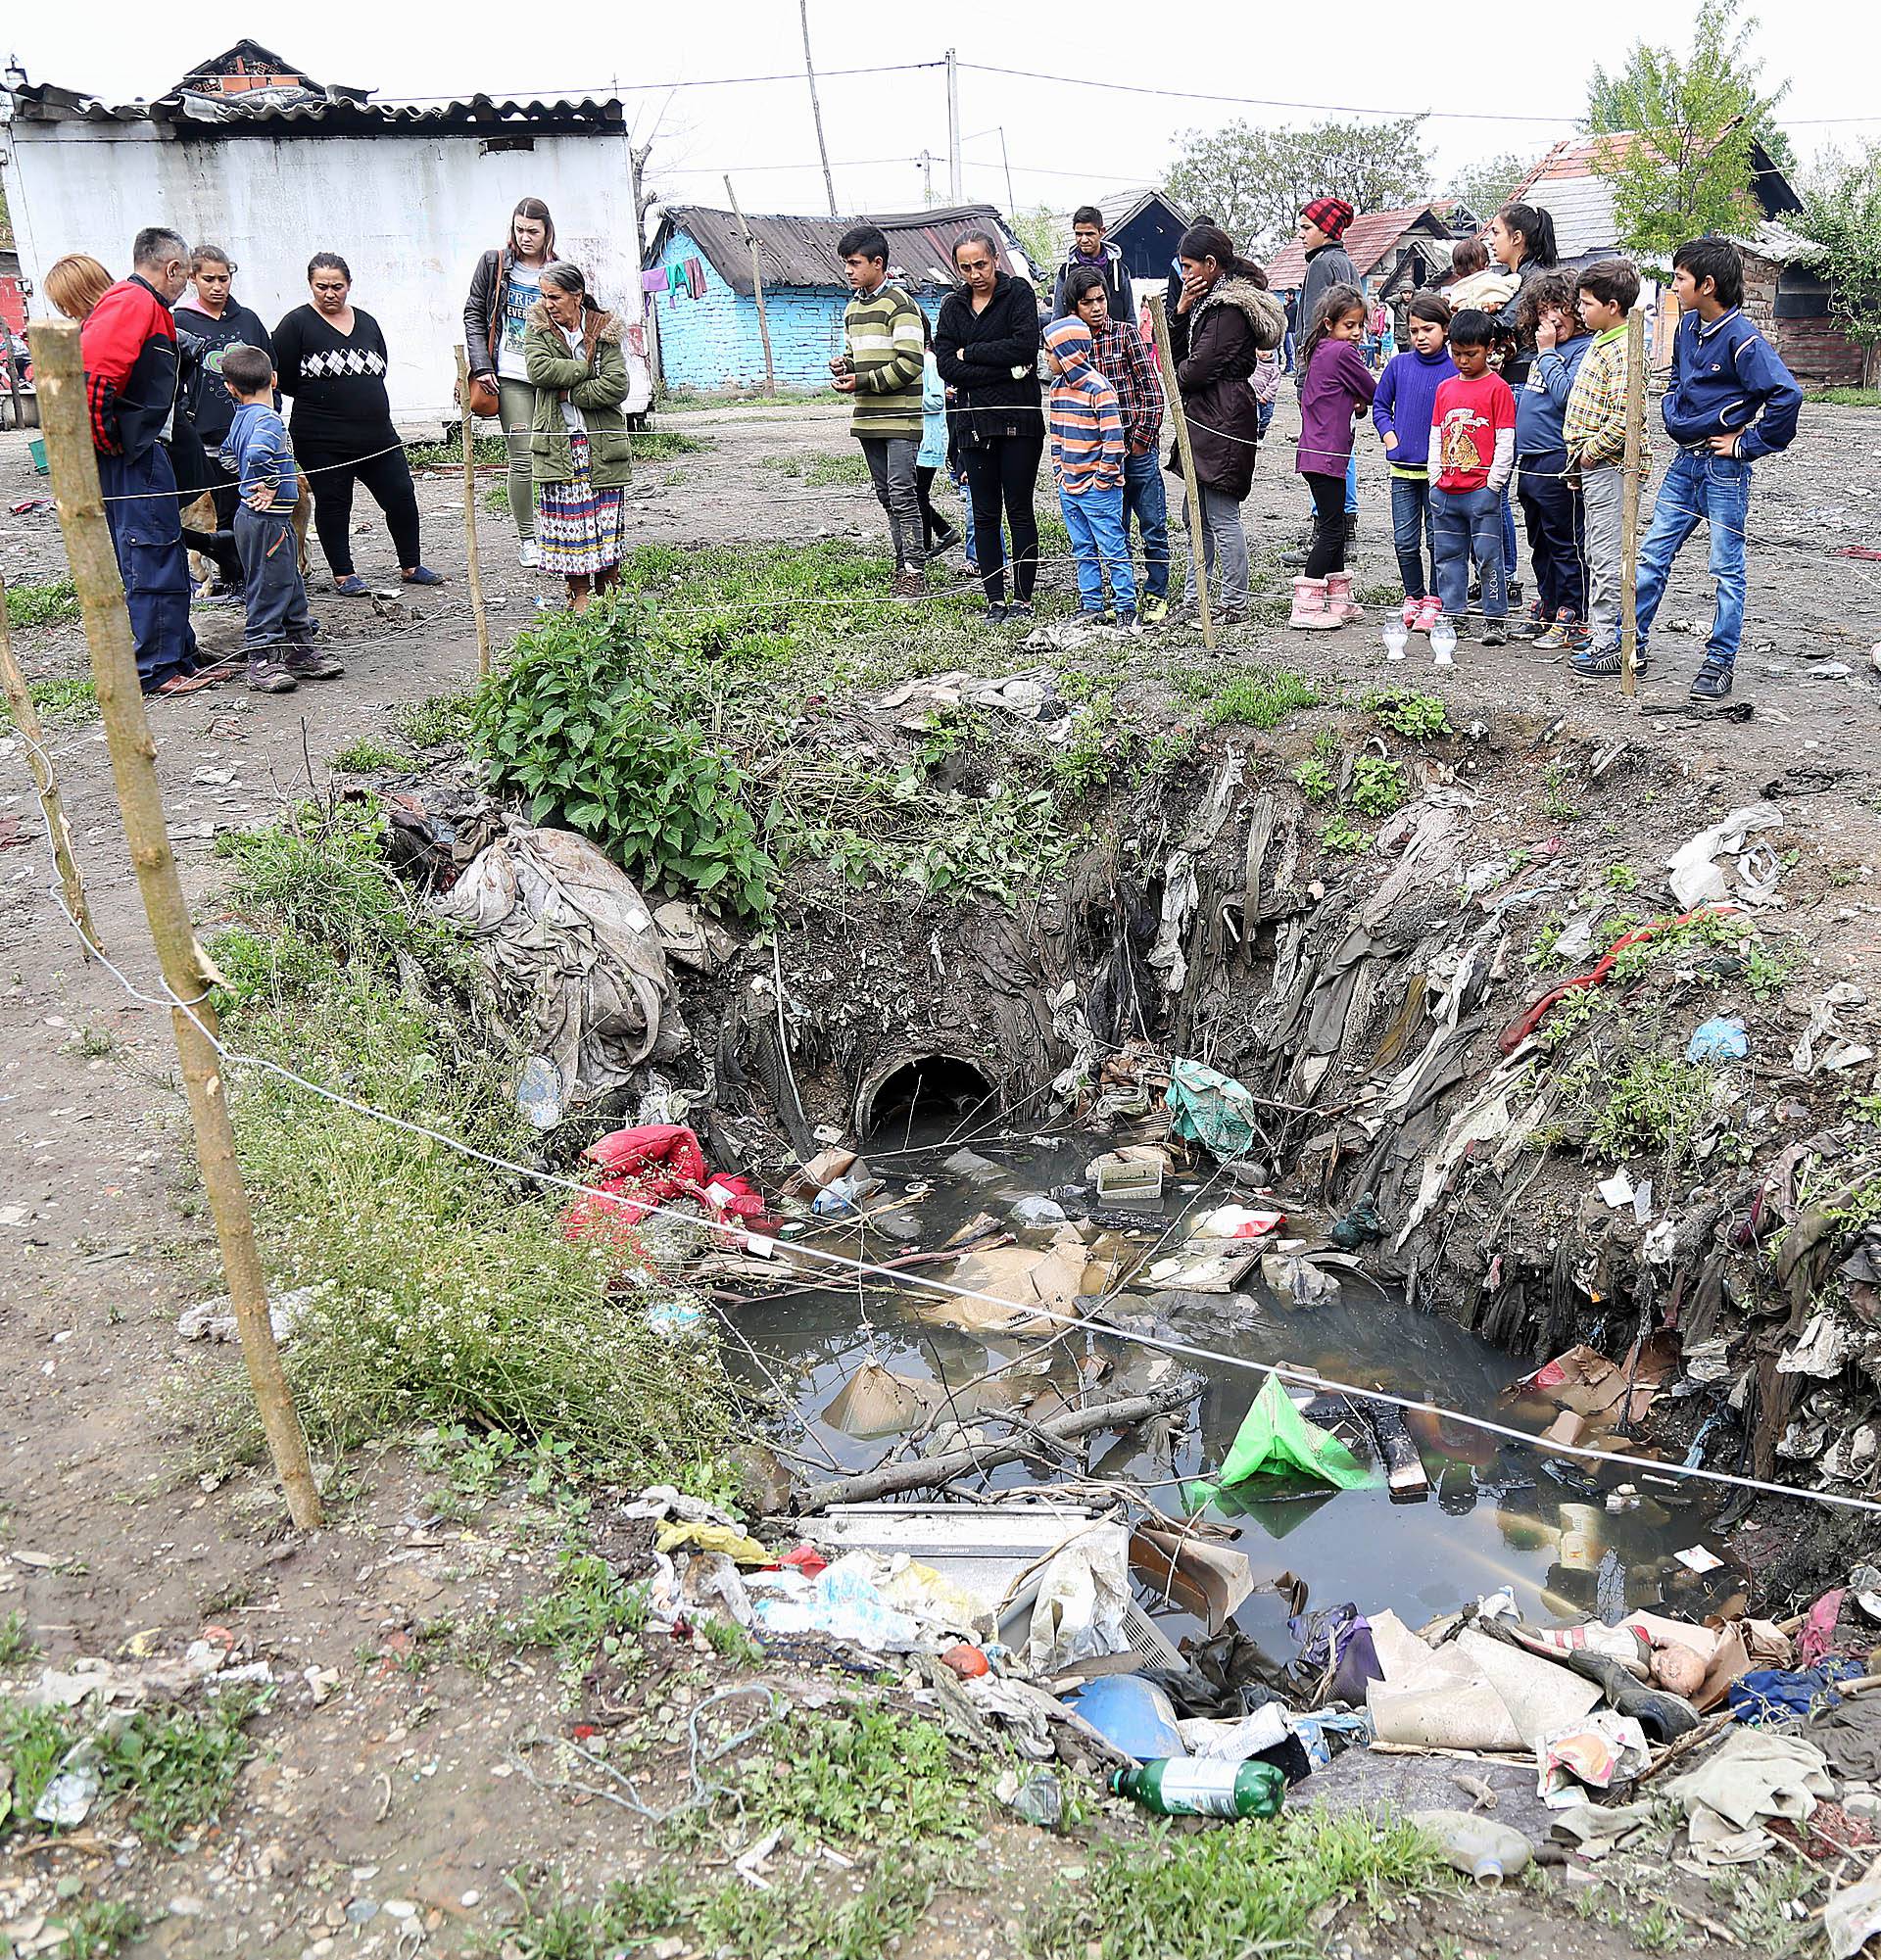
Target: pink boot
<point>1429,612</point>
<point>1310,608</point>
<point>1410,614</point>
<point>1339,601</point>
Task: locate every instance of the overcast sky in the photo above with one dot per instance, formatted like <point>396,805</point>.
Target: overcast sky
<point>1527,67</point>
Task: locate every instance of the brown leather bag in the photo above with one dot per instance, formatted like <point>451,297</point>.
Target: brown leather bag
<point>484,400</point>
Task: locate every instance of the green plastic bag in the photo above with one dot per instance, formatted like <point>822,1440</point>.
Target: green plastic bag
<point>1211,1109</point>
<point>1275,1438</point>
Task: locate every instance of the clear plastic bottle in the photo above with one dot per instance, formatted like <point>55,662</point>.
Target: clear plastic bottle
<point>1443,643</point>
<point>1479,1846</point>
<point>1202,1787</point>
<point>1395,634</point>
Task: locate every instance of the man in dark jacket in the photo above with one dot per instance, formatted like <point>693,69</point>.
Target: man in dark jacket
<point>1089,249</point>
<point>128,346</point>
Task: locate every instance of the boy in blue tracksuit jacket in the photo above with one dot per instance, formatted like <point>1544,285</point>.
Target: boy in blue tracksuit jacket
<point>1731,401</point>
<point>1551,508</point>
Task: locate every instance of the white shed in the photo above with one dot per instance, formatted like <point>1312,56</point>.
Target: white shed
<point>248,154</point>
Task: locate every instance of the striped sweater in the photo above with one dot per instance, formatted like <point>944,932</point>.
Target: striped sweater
<point>885,347</point>
<point>1594,429</point>
<point>1087,425</point>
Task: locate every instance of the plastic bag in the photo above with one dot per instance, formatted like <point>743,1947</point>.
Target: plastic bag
<point>1273,1438</point>
<point>1078,1612</point>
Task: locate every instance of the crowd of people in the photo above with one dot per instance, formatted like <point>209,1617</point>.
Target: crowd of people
<point>1511,395</point>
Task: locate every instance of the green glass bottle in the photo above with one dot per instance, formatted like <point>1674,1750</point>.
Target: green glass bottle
<point>1197,1787</point>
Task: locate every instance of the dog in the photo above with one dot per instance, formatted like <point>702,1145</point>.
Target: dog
<point>200,515</point>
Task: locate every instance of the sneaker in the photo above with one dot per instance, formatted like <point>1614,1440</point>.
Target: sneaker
<point>910,582</point>
<point>1495,633</point>
<point>1412,607</point>
<point>528,556</point>
<point>940,547</point>
<point>1530,625</point>
<point>1020,609</point>
<point>1713,682</point>
<point>1128,627</point>
<point>1515,593</point>
<point>1576,637</point>
<point>423,575</point>
<point>1604,664</point>
<point>1555,633</point>
<point>308,663</point>
<point>352,586</point>
<point>269,676</point>
<point>971,569</point>
<point>1476,588</point>
<point>1231,616</point>
<point>1153,611</point>
<point>997,611</point>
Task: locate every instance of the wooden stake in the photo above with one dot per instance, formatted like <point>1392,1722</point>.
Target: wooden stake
<point>1197,550</point>
<point>25,718</point>
<point>187,970</point>
<point>1630,502</point>
<point>816,107</point>
<point>470,516</point>
<point>757,287</point>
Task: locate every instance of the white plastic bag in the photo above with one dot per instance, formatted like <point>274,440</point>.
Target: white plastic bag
<point>1078,1612</point>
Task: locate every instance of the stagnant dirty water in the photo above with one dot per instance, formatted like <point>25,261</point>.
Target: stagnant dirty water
<point>1492,1514</point>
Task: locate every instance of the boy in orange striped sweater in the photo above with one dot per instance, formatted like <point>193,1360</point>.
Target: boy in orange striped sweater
<point>1088,452</point>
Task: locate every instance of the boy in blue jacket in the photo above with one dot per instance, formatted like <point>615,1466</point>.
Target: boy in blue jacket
<point>1731,401</point>
<point>1550,509</point>
<point>278,635</point>
<point>1401,415</point>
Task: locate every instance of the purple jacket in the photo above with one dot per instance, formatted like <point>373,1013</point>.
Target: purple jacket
<point>1337,384</point>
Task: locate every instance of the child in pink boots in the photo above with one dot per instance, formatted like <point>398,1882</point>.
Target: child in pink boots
<point>1335,387</point>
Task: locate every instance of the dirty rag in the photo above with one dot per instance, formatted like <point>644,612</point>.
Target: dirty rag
<point>1078,1612</point>
<point>638,1169</point>
<point>1211,1109</point>
<point>1850,1735</point>
<point>1695,879</point>
<point>1756,1773</point>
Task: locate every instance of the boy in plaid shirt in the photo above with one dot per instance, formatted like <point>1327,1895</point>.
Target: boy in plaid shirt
<point>1123,360</point>
<point>1594,434</point>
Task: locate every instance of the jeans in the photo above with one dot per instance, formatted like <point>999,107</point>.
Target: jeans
<point>1099,545</point>
<point>1716,490</point>
<point>1147,501</point>
<point>1600,502</point>
<point>1352,484</point>
<point>142,510</point>
<point>1466,524</point>
<point>1507,537</point>
<point>1410,530</point>
<point>387,475</point>
<point>515,413</point>
<point>1224,550</point>
<point>891,461</point>
<point>1551,514</point>
<point>1326,552</point>
<point>272,569</point>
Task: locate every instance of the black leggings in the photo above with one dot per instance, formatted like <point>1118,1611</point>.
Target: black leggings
<point>387,477</point>
<point>933,527</point>
<point>1003,471</point>
<point>1329,524</point>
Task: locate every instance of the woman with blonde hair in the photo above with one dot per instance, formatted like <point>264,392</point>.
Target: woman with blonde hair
<point>76,284</point>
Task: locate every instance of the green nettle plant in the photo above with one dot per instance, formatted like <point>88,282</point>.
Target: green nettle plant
<point>582,724</point>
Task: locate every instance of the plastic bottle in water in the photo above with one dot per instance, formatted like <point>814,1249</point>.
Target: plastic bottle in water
<point>1203,1786</point>
<point>1395,634</point>
<point>1443,643</point>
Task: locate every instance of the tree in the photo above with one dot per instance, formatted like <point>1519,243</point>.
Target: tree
<point>1843,215</point>
<point>1485,187</point>
<point>1253,181</point>
<point>1681,133</point>
<point>1040,232</point>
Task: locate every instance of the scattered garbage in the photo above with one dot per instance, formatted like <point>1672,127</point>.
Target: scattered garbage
<point>1757,1773</point>
<point>1597,1750</point>
<point>1194,1786</point>
<point>1838,1051</point>
<point>1130,1175</point>
<point>1204,1579</point>
<point>1038,1797</point>
<point>638,1169</point>
<point>1131,1713</point>
<point>1079,1611</point>
<point>1211,1109</point>
<point>1695,879</point>
<point>214,1319</point>
<point>1236,1222</point>
<point>1476,1845</point>
<point>1718,1039</point>
<point>1290,1276</point>
<point>1275,1438</point>
<point>847,1193</point>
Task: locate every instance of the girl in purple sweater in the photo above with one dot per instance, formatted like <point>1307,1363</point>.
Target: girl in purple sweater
<point>1335,386</point>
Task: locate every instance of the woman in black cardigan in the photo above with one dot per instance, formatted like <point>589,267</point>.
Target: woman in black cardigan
<point>986,348</point>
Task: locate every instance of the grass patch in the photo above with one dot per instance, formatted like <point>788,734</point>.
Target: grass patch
<point>689,400</point>
<point>1844,398</point>
<point>663,445</point>
<point>1657,1105</point>
<point>438,722</point>
<point>63,702</point>
<point>823,468</point>
<point>585,1612</point>
<point>1342,838</point>
<point>486,452</point>
<point>17,1644</point>
<point>1248,1888</point>
<point>1413,716</point>
<point>1379,786</point>
<point>1251,697</point>
<point>46,602</point>
<point>95,1929</point>
<point>360,758</point>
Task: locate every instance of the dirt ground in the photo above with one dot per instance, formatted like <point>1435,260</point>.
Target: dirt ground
<point>401,1786</point>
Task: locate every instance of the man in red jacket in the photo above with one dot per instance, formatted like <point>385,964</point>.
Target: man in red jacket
<point>128,345</point>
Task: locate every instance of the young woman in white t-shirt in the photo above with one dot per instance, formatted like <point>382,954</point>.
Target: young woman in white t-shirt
<point>506,283</point>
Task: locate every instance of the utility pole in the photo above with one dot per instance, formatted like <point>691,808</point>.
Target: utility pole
<point>953,127</point>
<point>1630,502</point>
<point>926,161</point>
<point>816,108</point>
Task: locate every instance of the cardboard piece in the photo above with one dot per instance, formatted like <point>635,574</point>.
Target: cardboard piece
<point>1207,1580</point>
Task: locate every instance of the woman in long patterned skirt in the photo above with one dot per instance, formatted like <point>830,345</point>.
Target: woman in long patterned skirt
<point>579,447</point>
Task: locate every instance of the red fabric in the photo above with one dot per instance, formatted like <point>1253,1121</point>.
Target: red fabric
<point>1818,1630</point>
<point>1467,416</point>
<point>1331,213</point>
<point>1531,1017</point>
<point>112,338</point>
<point>639,1170</point>
<point>806,1558</point>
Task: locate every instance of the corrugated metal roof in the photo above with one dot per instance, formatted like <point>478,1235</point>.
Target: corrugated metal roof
<point>800,252</point>
<point>1368,238</point>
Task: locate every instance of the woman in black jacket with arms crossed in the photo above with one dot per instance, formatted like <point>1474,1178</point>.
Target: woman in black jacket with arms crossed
<point>986,348</point>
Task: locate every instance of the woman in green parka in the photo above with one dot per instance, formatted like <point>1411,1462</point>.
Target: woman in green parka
<point>578,443</point>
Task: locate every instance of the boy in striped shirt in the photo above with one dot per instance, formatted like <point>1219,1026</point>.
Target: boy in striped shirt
<point>1088,451</point>
<point>882,369</point>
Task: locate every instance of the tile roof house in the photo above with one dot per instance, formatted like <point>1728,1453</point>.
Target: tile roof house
<point>1782,290</point>
<point>700,284</point>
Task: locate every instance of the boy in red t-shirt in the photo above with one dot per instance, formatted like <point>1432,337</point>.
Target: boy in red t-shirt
<point>1473,455</point>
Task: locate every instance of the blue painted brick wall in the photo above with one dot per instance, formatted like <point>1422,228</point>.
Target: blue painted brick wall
<point>713,343</point>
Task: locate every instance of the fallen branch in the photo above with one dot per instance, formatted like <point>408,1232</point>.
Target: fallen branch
<point>935,1470</point>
